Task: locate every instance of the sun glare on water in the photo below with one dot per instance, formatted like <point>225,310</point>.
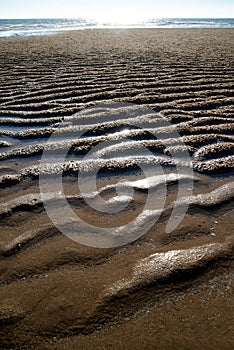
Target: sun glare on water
<point>119,17</point>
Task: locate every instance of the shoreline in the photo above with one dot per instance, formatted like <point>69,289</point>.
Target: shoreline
<point>113,28</point>
<point>45,26</point>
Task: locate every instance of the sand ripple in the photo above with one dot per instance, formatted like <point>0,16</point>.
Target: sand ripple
<point>113,103</point>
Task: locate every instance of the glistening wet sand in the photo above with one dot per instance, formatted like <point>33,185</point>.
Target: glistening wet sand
<point>166,290</point>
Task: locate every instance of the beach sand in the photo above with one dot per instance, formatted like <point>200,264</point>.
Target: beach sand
<point>164,290</point>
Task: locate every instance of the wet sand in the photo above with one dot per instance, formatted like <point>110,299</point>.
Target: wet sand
<point>162,290</point>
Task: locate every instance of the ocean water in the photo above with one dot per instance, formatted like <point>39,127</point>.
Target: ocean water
<point>26,27</point>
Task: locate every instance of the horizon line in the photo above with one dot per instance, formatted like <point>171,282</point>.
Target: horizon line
<point>81,17</point>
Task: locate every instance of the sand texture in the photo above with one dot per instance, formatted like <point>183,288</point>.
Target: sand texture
<point>139,286</point>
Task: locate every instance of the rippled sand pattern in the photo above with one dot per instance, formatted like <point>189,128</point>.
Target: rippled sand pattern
<point>165,290</point>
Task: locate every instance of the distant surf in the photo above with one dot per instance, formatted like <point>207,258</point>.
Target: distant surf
<point>28,27</point>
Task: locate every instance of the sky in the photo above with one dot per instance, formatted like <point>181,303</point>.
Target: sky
<point>121,11</point>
